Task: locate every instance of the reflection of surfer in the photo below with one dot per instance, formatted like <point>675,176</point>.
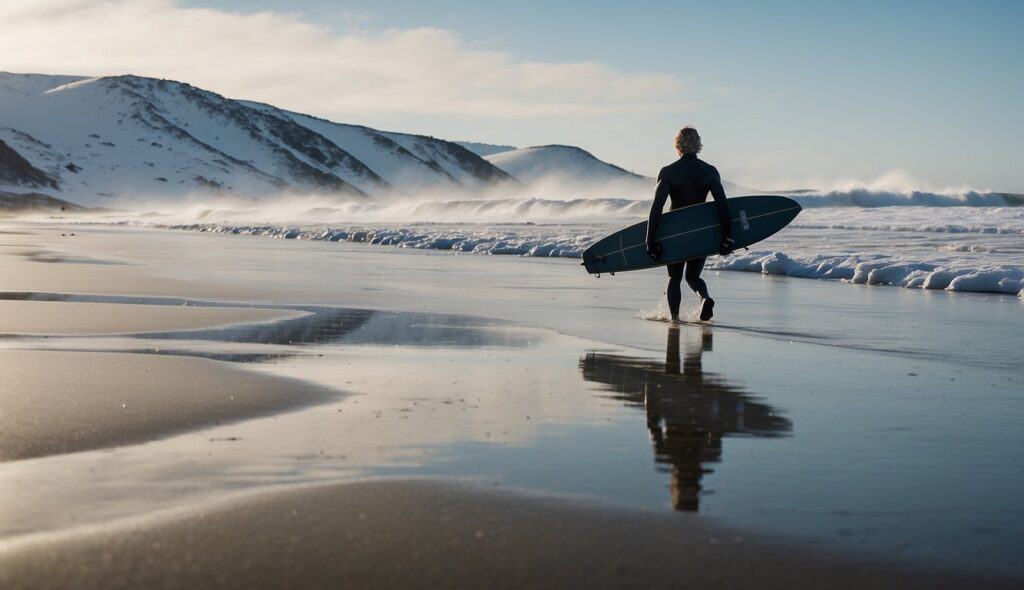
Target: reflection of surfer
<point>686,442</point>
<point>688,411</point>
<point>687,181</point>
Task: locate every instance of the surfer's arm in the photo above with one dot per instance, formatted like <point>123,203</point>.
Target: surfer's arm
<point>724,215</point>
<point>660,196</point>
<point>722,204</point>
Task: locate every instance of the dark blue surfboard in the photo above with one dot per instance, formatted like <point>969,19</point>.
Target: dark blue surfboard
<point>690,232</point>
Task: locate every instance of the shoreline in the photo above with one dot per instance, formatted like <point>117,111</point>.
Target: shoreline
<point>1003,277</point>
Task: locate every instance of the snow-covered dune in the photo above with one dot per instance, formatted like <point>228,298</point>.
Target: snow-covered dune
<point>102,140</point>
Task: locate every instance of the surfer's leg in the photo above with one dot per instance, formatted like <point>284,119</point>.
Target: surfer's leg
<point>693,269</point>
<point>675,293</point>
<point>707,304</point>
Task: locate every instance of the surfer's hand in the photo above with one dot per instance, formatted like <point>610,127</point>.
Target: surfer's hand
<point>728,245</point>
<point>654,250</point>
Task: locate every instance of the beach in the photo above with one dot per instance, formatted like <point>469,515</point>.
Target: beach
<point>425,534</point>
<point>186,407</point>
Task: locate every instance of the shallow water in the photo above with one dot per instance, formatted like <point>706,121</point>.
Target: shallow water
<point>868,419</point>
<point>319,325</point>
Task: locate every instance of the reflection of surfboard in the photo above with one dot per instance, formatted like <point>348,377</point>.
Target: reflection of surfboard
<point>690,232</point>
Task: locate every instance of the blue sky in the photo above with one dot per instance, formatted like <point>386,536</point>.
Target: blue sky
<point>786,94</point>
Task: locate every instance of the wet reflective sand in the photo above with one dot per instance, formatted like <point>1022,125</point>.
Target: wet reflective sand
<point>688,411</point>
<point>879,451</point>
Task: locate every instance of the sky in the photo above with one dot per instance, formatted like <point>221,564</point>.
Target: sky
<point>890,95</point>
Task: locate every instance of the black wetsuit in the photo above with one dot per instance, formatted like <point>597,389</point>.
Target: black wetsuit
<point>688,181</point>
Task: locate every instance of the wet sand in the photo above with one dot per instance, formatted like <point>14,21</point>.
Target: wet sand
<point>63,402</point>
<point>450,396</point>
<point>422,534</point>
<point>43,318</point>
<point>59,258</point>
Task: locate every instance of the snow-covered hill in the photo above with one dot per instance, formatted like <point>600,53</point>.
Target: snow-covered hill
<point>108,141</point>
<point>485,149</point>
<point>17,171</point>
<point>561,162</point>
<point>97,140</point>
<point>569,171</point>
<point>18,203</point>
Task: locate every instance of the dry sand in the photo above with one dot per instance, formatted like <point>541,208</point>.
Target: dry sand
<point>62,402</point>
<point>421,534</point>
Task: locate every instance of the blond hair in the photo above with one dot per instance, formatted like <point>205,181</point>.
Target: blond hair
<point>688,141</point>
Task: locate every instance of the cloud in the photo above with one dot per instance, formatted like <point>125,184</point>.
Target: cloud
<point>289,61</point>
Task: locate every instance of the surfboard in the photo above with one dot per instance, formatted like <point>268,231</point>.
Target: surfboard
<point>690,232</point>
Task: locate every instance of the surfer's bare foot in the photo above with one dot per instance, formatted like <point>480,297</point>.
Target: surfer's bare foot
<point>707,309</point>
<point>675,320</point>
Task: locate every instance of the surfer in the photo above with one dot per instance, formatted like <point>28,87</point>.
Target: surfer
<point>687,181</point>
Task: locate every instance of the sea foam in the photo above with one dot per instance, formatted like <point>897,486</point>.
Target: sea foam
<point>880,270</point>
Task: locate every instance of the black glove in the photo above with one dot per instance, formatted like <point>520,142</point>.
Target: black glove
<point>654,250</point>
<point>728,245</point>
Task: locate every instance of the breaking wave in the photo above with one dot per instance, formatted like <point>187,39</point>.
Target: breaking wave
<point>567,243</point>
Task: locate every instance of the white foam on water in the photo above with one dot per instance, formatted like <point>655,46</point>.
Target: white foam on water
<point>956,241</point>
<point>662,314</point>
<point>881,270</point>
<point>658,314</point>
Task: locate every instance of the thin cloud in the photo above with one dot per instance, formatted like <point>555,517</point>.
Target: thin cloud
<point>288,61</point>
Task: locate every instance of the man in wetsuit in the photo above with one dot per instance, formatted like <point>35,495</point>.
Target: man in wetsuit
<point>687,181</point>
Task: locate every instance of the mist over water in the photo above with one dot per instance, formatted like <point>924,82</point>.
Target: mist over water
<point>292,209</point>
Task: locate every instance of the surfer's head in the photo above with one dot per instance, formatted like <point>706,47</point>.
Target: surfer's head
<point>688,141</point>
